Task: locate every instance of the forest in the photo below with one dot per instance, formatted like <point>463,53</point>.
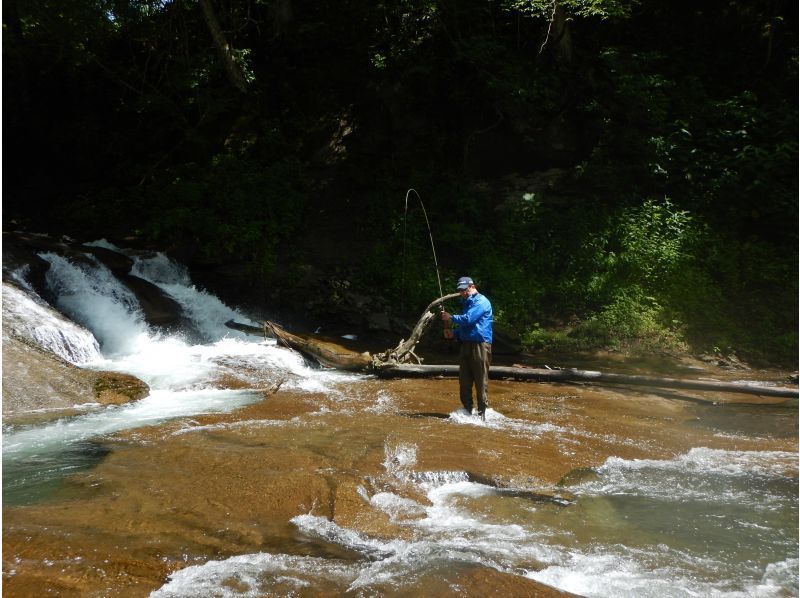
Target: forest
<point>616,174</point>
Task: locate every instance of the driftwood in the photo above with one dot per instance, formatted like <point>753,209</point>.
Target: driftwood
<point>396,363</point>
<point>575,375</point>
<point>330,354</point>
<point>323,351</point>
<point>405,348</point>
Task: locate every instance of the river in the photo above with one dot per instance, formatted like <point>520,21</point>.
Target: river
<point>247,472</point>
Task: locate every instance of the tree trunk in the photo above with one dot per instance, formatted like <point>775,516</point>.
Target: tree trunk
<point>561,34</point>
<point>325,352</point>
<point>233,71</point>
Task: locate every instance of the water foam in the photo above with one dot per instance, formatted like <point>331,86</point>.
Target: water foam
<point>495,420</point>
<point>205,311</point>
<point>91,295</point>
<point>607,574</point>
<point>780,576</point>
<point>704,474</point>
<point>254,575</point>
<point>104,244</point>
<point>719,461</point>
<point>400,457</point>
<point>32,319</point>
<point>158,268</point>
<point>397,507</point>
<point>612,575</point>
<point>384,403</point>
<point>326,529</point>
<point>393,561</point>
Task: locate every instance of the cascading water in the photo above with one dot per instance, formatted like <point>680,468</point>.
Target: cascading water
<point>113,335</point>
<point>92,296</point>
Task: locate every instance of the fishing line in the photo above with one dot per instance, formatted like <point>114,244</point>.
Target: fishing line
<point>430,236</point>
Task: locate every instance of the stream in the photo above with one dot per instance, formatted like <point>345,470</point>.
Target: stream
<point>248,472</point>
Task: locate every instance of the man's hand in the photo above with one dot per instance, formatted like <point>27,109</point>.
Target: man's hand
<point>446,316</point>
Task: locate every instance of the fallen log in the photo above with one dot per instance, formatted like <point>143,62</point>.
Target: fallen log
<point>394,363</point>
<point>246,328</point>
<point>575,375</point>
<point>333,355</point>
<point>323,351</point>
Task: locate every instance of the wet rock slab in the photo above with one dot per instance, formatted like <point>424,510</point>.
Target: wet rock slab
<point>213,487</point>
<point>39,387</point>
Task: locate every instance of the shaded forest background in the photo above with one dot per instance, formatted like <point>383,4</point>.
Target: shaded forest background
<point>613,173</point>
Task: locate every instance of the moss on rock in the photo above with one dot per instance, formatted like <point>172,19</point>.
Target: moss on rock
<point>113,388</point>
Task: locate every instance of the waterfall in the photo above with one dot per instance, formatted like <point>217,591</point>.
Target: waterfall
<point>107,330</point>
<point>185,379</point>
<point>161,270</point>
<point>91,295</point>
<point>205,311</point>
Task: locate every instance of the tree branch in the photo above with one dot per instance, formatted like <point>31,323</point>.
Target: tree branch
<point>405,348</point>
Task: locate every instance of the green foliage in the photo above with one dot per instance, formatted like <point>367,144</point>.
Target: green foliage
<point>655,239</point>
<point>671,217</point>
<point>582,8</point>
<point>633,317</point>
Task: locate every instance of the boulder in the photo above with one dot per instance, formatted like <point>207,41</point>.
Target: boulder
<point>118,263</point>
<point>158,308</point>
<point>38,381</point>
<point>39,385</point>
<point>21,264</point>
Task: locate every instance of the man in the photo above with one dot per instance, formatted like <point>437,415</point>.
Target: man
<point>474,330</point>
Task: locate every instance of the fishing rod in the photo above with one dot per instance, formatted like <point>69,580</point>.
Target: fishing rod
<point>433,248</point>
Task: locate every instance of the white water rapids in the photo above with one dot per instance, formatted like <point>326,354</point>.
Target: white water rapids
<point>636,554</point>
<point>705,523</point>
<point>181,375</point>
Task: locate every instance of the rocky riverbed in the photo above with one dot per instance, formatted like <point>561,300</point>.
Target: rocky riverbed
<point>213,487</point>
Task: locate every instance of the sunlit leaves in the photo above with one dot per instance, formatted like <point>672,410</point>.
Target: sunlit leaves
<point>604,9</point>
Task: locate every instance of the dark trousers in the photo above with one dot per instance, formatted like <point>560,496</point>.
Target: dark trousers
<point>474,361</point>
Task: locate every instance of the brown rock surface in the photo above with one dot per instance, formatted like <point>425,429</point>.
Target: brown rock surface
<point>38,385</point>
<point>216,486</point>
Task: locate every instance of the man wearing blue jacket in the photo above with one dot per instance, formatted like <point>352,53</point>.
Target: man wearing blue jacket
<point>473,328</point>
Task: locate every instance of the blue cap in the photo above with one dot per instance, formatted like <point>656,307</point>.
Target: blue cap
<point>464,283</point>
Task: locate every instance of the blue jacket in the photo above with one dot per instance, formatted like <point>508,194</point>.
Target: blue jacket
<point>475,322</point>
